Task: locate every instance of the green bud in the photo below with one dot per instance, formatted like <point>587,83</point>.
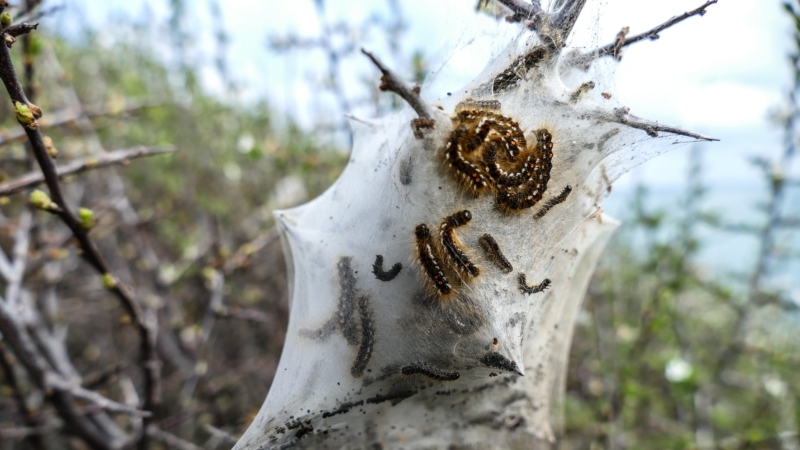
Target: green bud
<point>24,114</point>
<point>48,144</point>
<point>109,282</point>
<point>5,19</point>
<point>41,200</point>
<point>87,218</point>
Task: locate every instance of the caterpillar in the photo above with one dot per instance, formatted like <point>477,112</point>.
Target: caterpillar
<point>430,372</point>
<point>430,260</point>
<point>492,250</point>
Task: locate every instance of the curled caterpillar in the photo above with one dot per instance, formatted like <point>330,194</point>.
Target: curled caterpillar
<point>523,285</point>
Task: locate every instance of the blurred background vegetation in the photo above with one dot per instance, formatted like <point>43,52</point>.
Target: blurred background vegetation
<point>666,354</point>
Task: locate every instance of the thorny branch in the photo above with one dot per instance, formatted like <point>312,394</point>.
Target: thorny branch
<point>623,116</point>
<point>585,60</point>
<point>522,10</point>
<point>121,157</point>
<point>20,29</point>
<point>390,82</point>
<point>555,26</point>
<point>563,20</point>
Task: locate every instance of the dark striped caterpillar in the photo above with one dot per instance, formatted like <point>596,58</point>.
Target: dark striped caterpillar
<point>430,372</point>
<point>560,198</point>
<point>451,245</point>
<point>430,260</point>
<point>492,250</point>
<point>433,254</point>
<point>523,285</point>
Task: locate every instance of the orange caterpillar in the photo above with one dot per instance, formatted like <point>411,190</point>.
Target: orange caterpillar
<point>488,152</point>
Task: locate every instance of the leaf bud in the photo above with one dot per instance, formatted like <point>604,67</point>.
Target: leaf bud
<point>86,217</point>
<point>109,282</point>
<point>41,200</point>
<point>51,149</point>
<point>5,19</point>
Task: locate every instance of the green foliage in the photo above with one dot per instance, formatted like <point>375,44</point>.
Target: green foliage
<point>186,187</point>
<point>663,356</point>
<point>200,210</point>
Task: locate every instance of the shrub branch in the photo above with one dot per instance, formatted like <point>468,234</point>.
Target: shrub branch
<point>147,331</point>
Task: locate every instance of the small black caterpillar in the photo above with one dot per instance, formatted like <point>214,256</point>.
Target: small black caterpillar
<point>560,198</point>
<point>494,253</point>
<point>367,338</point>
<point>385,275</point>
<point>430,372</point>
<point>523,285</point>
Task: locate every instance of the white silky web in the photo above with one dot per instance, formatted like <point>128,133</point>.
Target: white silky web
<point>351,336</point>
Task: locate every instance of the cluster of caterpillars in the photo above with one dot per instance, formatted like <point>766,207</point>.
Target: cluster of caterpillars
<point>486,153</point>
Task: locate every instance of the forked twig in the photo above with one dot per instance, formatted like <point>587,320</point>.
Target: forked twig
<point>390,82</point>
<point>622,116</point>
<point>585,60</point>
<point>21,28</point>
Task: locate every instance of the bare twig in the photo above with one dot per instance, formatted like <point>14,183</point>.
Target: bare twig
<point>56,382</point>
<point>29,432</point>
<point>20,257</point>
<point>220,435</point>
<point>21,28</point>
<point>170,440</point>
<point>71,115</point>
<point>564,19</point>
<point>100,434</point>
<point>94,380</point>
<point>122,157</point>
<point>243,254</point>
<point>623,116</point>
<point>251,315</point>
<point>390,82</point>
<point>531,13</point>
<point>586,59</point>
<point>28,418</point>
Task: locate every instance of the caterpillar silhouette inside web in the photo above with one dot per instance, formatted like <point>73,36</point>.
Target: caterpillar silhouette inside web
<point>488,152</point>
